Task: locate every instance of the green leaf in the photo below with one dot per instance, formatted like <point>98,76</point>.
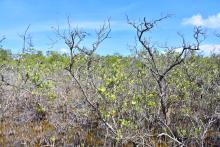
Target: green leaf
<point>101,89</point>
<point>133,102</point>
<point>151,104</point>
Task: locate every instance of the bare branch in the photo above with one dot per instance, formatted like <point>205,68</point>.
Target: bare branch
<point>199,36</point>
<point>141,29</point>
<point>159,76</point>
<point>72,38</point>
<point>101,35</point>
<point>205,130</point>
<point>174,139</point>
<point>2,39</point>
<point>27,40</point>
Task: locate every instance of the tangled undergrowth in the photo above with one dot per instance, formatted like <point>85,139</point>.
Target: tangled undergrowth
<point>84,99</point>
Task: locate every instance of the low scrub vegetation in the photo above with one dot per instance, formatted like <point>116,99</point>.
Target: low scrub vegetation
<point>149,98</point>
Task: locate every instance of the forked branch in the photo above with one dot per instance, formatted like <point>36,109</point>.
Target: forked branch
<point>73,37</point>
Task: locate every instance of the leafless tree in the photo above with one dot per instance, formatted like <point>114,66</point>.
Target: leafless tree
<point>73,38</point>
<point>157,73</point>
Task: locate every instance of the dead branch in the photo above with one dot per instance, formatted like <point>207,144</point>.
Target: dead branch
<point>141,29</point>
<point>2,39</point>
<point>174,139</point>
<point>27,40</point>
<point>145,26</point>
<point>73,38</point>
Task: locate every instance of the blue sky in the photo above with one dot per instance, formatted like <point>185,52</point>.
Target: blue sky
<point>42,15</point>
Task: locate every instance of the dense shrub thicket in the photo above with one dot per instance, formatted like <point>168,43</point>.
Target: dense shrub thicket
<point>41,104</point>
<point>84,99</point>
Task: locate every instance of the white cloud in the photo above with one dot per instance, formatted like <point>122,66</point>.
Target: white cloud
<point>195,20</point>
<point>210,48</point>
<point>212,21</point>
<point>64,50</point>
<point>206,49</point>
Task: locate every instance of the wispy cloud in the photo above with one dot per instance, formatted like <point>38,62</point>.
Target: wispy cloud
<point>47,26</point>
<point>94,25</point>
<point>212,21</point>
<point>206,49</point>
<point>64,50</point>
<point>210,48</point>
